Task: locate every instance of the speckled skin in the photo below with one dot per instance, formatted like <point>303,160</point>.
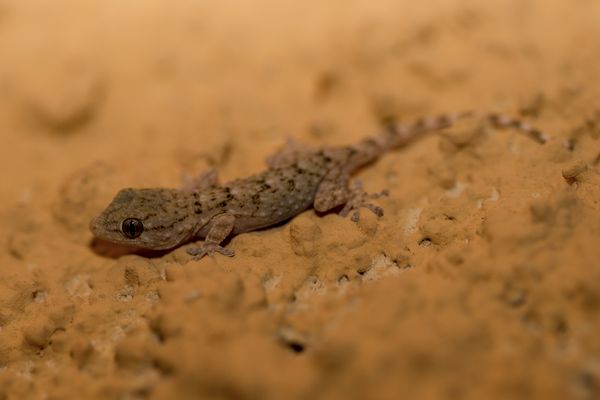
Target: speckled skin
<point>297,179</point>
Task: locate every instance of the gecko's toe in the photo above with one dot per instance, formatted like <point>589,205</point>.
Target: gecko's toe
<point>197,252</point>
<point>358,199</point>
<point>383,193</point>
<point>225,251</point>
<point>374,209</point>
<point>210,250</point>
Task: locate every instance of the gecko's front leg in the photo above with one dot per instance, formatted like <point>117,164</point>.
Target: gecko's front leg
<point>219,227</point>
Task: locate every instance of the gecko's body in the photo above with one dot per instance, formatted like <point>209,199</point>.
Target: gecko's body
<point>297,179</point>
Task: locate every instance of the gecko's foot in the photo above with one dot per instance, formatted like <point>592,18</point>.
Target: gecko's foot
<point>359,199</point>
<point>210,250</point>
<point>204,180</point>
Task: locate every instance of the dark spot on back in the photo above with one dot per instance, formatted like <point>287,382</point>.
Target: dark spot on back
<point>291,185</point>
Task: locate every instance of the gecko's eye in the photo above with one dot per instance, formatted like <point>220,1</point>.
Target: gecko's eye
<point>132,228</point>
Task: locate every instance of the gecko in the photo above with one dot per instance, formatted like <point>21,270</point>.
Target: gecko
<point>297,178</point>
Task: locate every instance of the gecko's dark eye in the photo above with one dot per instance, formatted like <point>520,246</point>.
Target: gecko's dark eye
<point>132,228</point>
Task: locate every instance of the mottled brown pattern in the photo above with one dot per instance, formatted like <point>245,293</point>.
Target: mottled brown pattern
<point>297,180</point>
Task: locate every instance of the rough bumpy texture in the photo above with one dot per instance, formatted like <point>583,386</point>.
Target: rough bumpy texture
<point>481,280</point>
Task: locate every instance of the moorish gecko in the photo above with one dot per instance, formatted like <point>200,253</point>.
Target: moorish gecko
<point>297,179</point>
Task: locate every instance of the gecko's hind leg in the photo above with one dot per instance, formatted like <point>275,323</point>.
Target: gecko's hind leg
<point>334,192</point>
<point>220,226</point>
<point>359,198</point>
<point>204,180</point>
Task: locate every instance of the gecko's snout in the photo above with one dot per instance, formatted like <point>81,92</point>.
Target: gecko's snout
<point>93,226</point>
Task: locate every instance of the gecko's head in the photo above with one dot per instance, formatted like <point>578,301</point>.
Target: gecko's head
<point>154,219</point>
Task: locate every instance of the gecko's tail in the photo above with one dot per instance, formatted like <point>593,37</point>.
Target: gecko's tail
<point>399,135</point>
<point>504,121</point>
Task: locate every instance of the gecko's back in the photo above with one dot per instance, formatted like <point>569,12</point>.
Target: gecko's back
<point>274,195</point>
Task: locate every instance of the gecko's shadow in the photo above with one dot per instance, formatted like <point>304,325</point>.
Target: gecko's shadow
<point>111,250</point>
